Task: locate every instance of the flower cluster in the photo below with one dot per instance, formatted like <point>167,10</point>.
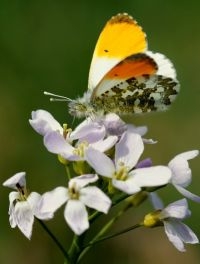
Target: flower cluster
<point>104,156</point>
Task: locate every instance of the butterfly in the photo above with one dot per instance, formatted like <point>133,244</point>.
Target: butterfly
<point>124,76</point>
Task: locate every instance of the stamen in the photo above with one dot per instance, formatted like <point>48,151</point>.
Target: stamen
<point>73,192</point>
<point>121,174</point>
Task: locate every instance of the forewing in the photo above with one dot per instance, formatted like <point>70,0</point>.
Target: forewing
<point>132,66</point>
<point>120,38</point>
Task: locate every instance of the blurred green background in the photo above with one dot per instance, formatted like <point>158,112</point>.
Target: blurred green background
<point>48,45</point>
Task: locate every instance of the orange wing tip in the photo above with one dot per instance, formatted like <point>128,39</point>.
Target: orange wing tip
<point>122,17</point>
<point>125,18</point>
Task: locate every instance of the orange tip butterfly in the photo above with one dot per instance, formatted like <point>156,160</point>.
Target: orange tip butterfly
<point>124,76</point>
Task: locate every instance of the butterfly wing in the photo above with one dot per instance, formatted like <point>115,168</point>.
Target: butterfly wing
<point>143,82</point>
<point>120,38</point>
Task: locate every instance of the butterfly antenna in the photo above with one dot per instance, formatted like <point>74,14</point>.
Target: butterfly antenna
<point>56,97</point>
<point>73,121</point>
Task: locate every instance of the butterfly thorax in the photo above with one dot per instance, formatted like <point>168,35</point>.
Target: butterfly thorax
<point>82,107</point>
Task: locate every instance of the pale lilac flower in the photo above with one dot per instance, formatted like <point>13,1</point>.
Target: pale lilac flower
<point>144,163</point>
<point>122,171</point>
<point>43,122</point>
<point>101,126</point>
<point>113,124</point>
<point>181,173</point>
<point>89,130</point>
<point>23,207</point>
<point>155,200</point>
<point>177,232</point>
<point>57,144</point>
<point>77,196</point>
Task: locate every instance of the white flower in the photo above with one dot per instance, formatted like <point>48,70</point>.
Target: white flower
<point>101,126</point>
<point>181,173</point>
<point>43,122</point>
<point>110,124</point>
<point>124,177</point>
<point>89,130</point>
<point>177,232</point>
<point>23,207</point>
<point>77,197</point>
<point>113,124</point>
<point>57,144</point>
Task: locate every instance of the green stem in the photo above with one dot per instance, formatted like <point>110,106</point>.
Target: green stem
<point>68,172</point>
<point>117,199</point>
<point>103,230</point>
<point>67,259</point>
<point>76,247</point>
<point>114,235</point>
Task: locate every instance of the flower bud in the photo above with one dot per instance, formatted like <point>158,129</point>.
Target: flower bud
<point>63,160</point>
<point>81,167</point>
<point>152,219</point>
<point>138,198</point>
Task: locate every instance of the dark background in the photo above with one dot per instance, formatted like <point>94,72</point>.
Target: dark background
<point>48,45</point>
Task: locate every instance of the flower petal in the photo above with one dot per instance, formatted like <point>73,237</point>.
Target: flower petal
<point>178,233</point>
<point>149,141</point>
<point>88,131</point>
<point>17,179</point>
<point>43,122</point>
<point>13,197</point>
<point>152,176</point>
<point>99,162</point>
<point>180,168</point>
<point>128,150</point>
<point>181,172</point>
<point>114,124</point>
<point>105,144</point>
<point>141,130</point>
<point>33,200</point>
<point>144,163</point>
<point>188,155</point>
<point>76,216</point>
<point>185,233</point>
<point>51,201</point>
<point>156,201</point>
<point>56,143</point>
<point>188,194</point>
<point>94,198</point>
<point>127,186</point>
<point>24,218</point>
<point>173,237</point>
<point>178,209</point>
<point>83,180</point>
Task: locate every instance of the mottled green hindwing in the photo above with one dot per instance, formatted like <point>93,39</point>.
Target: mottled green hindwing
<point>143,94</point>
